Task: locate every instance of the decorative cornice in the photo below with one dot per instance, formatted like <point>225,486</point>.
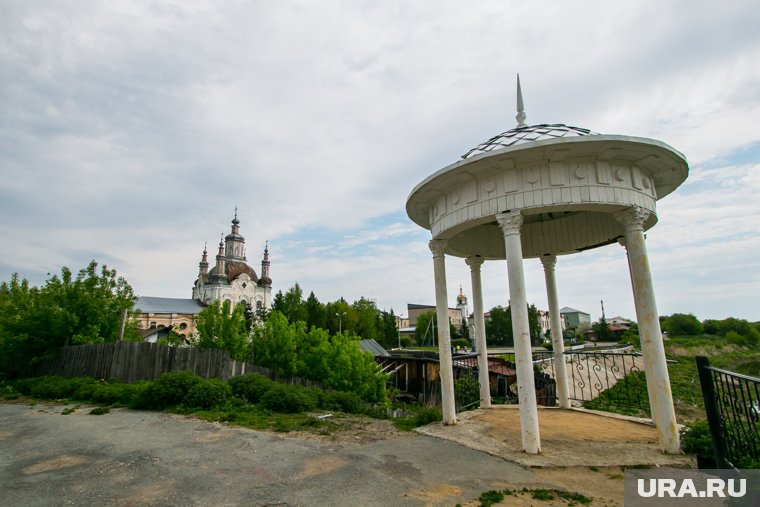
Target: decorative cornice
<point>437,246</point>
<point>474,262</point>
<point>633,218</point>
<point>549,262</point>
<point>510,222</point>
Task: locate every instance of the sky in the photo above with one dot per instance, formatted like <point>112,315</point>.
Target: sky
<point>130,131</point>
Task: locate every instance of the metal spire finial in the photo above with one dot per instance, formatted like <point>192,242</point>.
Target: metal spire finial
<point>520,106</point>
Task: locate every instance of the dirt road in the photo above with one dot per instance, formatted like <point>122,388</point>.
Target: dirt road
<point>143,458</point>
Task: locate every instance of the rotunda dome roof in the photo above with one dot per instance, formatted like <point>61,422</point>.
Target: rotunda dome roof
<point>529,134</point>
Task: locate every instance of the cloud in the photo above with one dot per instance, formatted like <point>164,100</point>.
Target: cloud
<point>130,131</point>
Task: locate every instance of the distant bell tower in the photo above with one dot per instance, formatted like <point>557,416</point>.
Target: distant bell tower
<point>462,306</point>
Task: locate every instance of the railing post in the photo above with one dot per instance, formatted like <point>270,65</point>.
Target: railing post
<point>711,409</point>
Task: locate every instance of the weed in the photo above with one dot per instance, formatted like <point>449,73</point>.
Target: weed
<point>69,410</point>
<point>491,497</point>
<point>99,411</point>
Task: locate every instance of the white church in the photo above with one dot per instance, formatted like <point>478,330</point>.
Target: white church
<point>231,279</point>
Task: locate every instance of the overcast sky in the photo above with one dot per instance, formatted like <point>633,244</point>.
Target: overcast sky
<point>130,130</point>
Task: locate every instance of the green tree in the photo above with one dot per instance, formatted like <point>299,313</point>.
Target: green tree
<point>68,309</point>
<point>340,316</point>
<point>273,345</point>
<point>602,330</point>
<point>366,314</point>
<point>316,316</point>
<point>499,326</point>
<point>425,331</point>
<point>291,304</point>
<point>218,326</point>
<point>682,324</point>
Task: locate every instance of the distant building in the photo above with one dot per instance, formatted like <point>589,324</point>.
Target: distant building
<point>575,320</point>
<point>455,314</point>
<point>230,279</point>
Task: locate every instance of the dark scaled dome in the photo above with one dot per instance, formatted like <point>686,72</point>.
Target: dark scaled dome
<point>529,134</point>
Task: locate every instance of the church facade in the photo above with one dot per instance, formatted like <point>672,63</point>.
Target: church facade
<point>230,279</point>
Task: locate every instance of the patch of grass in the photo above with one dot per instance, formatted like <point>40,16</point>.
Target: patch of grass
<point>99,411</point>
<point>491,497</point>
<point>420,417</point>
<point>594,469</point>
<point>69,410</point>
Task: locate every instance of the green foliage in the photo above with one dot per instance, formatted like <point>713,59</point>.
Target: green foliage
<point>9,393</point>
<point>499,327</point>
<point>696,439</point>
<point>208,394</point>
<point>632,336</point>
<point>220,327</point>
<point>421,415</point>
<point>250,387</point>
<point>273,345</point>
<point>168,390</point>
<point>682,324</point>
<point>99,411</point>
<point>602,330</point>
<point>336,362</point>
<point>68,309</point>
<point>289,399</point>
<point>425,330</point>
<point>467,392</point>
<point>341,402</point>
<point>489,498</point>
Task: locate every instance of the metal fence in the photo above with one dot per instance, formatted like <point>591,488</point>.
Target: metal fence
<point>598,378</point>
<point>732,404</point>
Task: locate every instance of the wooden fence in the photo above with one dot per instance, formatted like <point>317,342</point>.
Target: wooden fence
<point>132,361</point>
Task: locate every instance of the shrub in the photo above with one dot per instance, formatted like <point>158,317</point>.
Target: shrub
<point>168,390</point>
<point>288,399</point>
<point>9,393</point>
<point>251,386</point>
<point>208,394</point>
<point>467,392</point>
<point>341,401</point>
<point>696,439</point>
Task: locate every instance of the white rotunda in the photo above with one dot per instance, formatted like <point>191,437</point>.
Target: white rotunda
<point>541,191</point>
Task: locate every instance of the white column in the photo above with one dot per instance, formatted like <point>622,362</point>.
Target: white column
<point>480,331</point>
<point>510,224</point>
<point>558,342</point>
<point>655,364</point>
<point>448,407</point>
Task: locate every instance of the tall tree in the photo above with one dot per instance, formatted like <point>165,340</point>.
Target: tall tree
<point>602,330</point>
<point>316,316</point>
<point>68,309</point>
<point>220,327</point>
<point>499,326</point>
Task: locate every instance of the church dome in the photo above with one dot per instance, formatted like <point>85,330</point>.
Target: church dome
<point>235,269</point>
<point>528,134</point>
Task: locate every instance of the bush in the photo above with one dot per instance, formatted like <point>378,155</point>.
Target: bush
<point>696,439</point>
<point>288,399</point>
<point>341,401</point>
<point>208,394</point>
<point>168,390</point>
<point>251,386</point>
<point>467,392</point>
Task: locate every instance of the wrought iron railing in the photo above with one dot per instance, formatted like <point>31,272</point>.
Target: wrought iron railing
<point>732,404</point>
<point>607,379</point>
<point>601,379</point>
